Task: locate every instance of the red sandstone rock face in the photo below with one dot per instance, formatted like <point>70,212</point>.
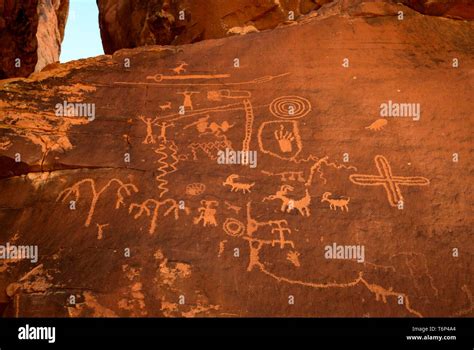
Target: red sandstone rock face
<point>127,23</point>
<point>132,212</point>
<point>32,32</point>
<point>460,9</point>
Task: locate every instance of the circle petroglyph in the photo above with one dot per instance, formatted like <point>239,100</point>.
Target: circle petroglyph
<point>290,107</point>
<point>234,227</point>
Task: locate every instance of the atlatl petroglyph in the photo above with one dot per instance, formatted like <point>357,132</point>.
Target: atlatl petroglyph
<point>75,190</point>
<point>388,181</point>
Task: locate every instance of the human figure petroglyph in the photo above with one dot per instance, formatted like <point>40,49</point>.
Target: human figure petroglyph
<point>288,204</point>
<point>75,190</point>
<point>144,208</point>
<point>149,130</point>
<point>188,101</point>
<point>207,213</point>
<point>163,127</point>
<point>386,179</point>
<point>237,186</point>
<point>335,203</point>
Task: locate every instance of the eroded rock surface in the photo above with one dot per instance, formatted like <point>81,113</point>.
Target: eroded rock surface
<point>31,33</point>
<point>128,24</point>
<point>134,216</point>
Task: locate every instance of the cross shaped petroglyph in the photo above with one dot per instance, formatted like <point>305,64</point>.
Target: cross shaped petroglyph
<point>391,183</point>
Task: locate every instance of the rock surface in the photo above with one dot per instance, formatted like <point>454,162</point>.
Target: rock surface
<point>134,216</point>
<point>128,23</point>
<point>460,9</point>
<point>31,31</point>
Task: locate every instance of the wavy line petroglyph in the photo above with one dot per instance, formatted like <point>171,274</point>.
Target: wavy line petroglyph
<point>167,162</point>
<point>388,181</point>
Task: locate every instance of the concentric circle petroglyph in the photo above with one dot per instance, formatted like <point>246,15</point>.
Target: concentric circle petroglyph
<point>233,227</point>
<point>290,107</point>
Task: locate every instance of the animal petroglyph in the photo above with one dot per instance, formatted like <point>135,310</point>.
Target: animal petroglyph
<point>377,125</point>
<point>288,204</point>
<point>207,213</point>
<point>290,107</point>
<point>284,148</point>
<point>75,190</point>
<point>144,208</point>
<point>195,189</point>
<point>149,130</point>
<point>165,106</point>
<point>230,206</point>
<point>181,68</point>
<point>237,186</point>
<point>335,203</point>
<point>388,181</point>
<point>167,162</point>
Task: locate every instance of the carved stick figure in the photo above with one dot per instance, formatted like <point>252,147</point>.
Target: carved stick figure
<point>188,103</point>
<point>163,126</point>
<point>149,130</point>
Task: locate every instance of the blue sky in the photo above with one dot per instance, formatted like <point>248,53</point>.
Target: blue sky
<point>82,36</point>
